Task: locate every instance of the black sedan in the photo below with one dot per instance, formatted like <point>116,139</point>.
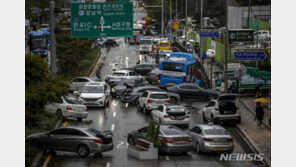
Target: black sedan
<point>124,86</point>
<point>193,91</point>
<point>143,68</point>
<point>110,42</point>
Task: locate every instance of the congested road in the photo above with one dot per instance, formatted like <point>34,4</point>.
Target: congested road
<point>121,119</point>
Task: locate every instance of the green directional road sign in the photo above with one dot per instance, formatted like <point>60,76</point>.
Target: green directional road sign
<point>91,20</point>
<point>241,35</point>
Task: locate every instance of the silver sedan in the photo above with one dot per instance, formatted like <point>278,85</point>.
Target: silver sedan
<point>73,139</point>
<point>211,138</point>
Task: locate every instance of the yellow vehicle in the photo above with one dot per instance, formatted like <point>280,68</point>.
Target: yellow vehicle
<point>164,45</point>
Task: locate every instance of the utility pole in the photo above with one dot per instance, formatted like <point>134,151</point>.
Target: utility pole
<point>249,8</point>
<point>162,24</point>
<point>257,46</point>
<point>226,51</point>
<point>53,63</point>
<point>200,41</point>
<point>186,24</point>
<point>170,27</point>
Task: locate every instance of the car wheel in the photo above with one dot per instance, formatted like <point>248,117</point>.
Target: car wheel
<point>174,100</point>
<point>60,113</point>
<point>131,141</point>
<point>204,118</point>
<point>138,107</point>
<point>83,151</point>
<point>213,119</point>
<point>136,101</point>
<point>79,119</point>
<point>198,147</point>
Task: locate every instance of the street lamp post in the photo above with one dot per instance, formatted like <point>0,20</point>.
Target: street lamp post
<point>200,41</point>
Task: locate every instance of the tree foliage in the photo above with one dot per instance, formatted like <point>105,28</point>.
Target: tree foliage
<point>71,52</point>
<point>152,134</point>
<point>40,88</point>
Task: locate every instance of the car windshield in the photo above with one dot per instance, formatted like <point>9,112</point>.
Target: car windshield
<point>145,42</point>
<point>163,44</point>
<point>172,131</point>
<point>159,96</point>
<point>118,74</point>
<point>215,132</point>
<point>92,89</point>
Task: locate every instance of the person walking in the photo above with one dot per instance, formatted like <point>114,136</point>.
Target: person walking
<point>98,72</point>
<point>259,114</point>
<point>258,91</point>
<point>138,62</point>
<point>232,88</point>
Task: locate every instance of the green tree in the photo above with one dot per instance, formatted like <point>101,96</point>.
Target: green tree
<point>40,88</point>
<point>152,134</point>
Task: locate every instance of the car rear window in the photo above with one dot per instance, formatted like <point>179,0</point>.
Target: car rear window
<point>172,131</point>
<point>118,74</point>
<point>71,101</point>
<point>215,132</point>
<point>159,96</point>
<point>93,132</point>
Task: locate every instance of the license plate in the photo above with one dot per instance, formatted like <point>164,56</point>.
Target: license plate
<point>171,83</point>
<point>220,148</point>
<point>180,142</point>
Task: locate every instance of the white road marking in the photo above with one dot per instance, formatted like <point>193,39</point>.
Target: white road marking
<point>126,61</point>
<point>167,158</point>
<point>120,145</point>
<point>108,164</point>
<point>114,114</point>
<point>112,127</point>
<point>126,105</point>
<point>126,143</point>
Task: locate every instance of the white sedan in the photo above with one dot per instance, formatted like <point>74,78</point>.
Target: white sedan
<point>171,114</point>
<point>78,83</point>
<point>68,108</point>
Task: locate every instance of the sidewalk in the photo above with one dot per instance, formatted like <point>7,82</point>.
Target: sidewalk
<point>259,137</point>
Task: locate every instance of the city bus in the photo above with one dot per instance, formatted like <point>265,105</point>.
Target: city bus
<point>179,68</point>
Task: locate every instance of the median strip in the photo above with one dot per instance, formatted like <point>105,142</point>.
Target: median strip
<point>65,124</point>
<point>98,61</point>
<point>46,161</point>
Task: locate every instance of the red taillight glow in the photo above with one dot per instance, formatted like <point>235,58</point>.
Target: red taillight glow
<point>217,109</point>
<point>167,140</point>
<point>159,77</point>
<point>166,116</point>
<point>128,94</point>
<point>187,116</point>
<point>86,110</point>
<point>184,79</point>
<point>168,101</point>
<point>150,101</point>
<point>148,75</point>
<point>98,141</point>
<point>207,139</point>
<point>68,108</point>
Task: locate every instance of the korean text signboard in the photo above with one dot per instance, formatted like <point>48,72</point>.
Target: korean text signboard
<point>176,25</point>
<point>209,34</point>
<point>91,20</point>
<point>243,35</point>
<point>249,56</point>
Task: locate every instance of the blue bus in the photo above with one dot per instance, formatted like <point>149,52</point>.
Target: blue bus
<point>39,41</point>
<point>179,68</point>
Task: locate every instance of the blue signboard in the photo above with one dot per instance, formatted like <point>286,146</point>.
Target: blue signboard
<point>249,56</point>
<point>37,10</point>
<point>209,34</point>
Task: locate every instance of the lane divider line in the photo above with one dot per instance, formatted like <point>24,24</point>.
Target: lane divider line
<point>112,127</point>
<point>114,114</point>
<point>108,164</point>
<point>235,145</point>
<point>65,124</point>
<point>91,74</point>
<point>167,158</point>
<point>46,161</point>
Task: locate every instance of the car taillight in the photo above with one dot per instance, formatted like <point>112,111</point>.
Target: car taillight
<point>187,116</point>
<point>148,75</point>
<point>167,140</point>
<point>150,101</point>
<point>168,101</point>
<point>230,139</point>
<point>217,109</point>
<point>158,77</point>
<point>184,79</point>
<point>98,141</point>
<point>207,139</point>
<point>128,94</point>
<point>86,110</point>
<point>166,116</point>
<point>68,108</point>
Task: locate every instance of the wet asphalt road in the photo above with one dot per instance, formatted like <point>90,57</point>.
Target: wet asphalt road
<point>121,119</point>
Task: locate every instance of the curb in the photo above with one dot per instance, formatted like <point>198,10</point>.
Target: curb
<point>40,154</point>
<point>254,113</point>
<point>257,149</point>
<point>95,64</point>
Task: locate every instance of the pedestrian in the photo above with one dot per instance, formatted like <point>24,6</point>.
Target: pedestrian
<point>98,72</point>
<point>138,62</point>
<point>258,91</point>
<point>232,88</point>
<point>259,114</point>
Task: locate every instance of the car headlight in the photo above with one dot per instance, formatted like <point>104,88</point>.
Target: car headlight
<point>113,90</point>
